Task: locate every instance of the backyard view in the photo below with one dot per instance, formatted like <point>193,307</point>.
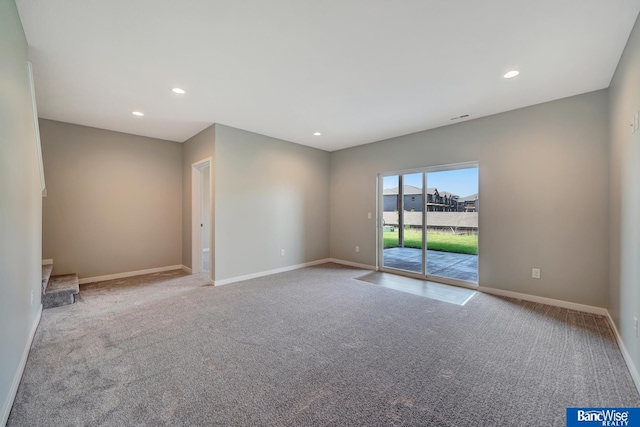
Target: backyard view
<point>456,243</point>
<point>445,205</point>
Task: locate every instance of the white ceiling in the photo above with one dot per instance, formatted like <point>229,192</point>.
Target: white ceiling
<point>356,70</point>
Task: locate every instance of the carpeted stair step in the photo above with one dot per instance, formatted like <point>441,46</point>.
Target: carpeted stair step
<point>61,290</point>
<point>46,273</point>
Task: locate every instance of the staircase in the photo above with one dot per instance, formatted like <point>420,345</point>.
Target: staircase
<point>58,290</point>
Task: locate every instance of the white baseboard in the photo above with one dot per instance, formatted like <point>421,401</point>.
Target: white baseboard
<point>47,262</point>
<point>625,353</point>
<point>128,274</point>
<point>548,301</point>
<point>353,264</point>
<point>6,408</point>
<point>269,272</point>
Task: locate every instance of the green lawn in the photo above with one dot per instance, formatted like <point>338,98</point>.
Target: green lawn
<point>461,244</point>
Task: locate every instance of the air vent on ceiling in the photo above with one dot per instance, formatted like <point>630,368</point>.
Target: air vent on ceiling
<point>464,116</point>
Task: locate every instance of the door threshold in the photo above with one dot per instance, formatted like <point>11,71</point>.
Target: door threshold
<point>426,288</point>
<point>431,278</point>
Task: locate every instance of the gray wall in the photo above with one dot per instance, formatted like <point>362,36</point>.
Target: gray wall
<point>20,205</point>
<point>542,172</point>
<point>624,94</point>
<point>114,200</point>
<point>269,195</point>
<point>195,149</point>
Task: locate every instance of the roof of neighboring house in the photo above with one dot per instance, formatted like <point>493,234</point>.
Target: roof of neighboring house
<point>409,190</point>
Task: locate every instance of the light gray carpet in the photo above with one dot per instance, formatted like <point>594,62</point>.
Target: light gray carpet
<point>60,290</point>
<point>311,347</point>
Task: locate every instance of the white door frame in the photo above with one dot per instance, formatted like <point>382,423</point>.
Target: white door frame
<point>196,215</point>
<point>379,226</point>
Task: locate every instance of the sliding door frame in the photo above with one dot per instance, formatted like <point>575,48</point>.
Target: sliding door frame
<point>379,229</point>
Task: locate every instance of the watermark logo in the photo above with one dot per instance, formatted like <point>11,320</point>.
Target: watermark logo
<point>606,417</point>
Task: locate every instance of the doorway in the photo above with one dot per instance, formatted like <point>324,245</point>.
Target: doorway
<point>429,223</point>
<point>201,251</point>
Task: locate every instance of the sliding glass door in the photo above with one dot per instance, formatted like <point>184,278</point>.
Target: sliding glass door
<point>429,223</point>
<point>402,219</point>
<point>452,219</point>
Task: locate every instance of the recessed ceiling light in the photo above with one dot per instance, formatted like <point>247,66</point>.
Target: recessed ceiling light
<point>178,90</point>
<point>317,134</point>
<point>138,113</point>
<point>511,74</point>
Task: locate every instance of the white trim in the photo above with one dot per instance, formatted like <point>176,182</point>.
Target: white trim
<point>269,272</point>
<point>625,353</point>
<point>6,409</point>
<point>203,162</point>
<point>47,262</point>
<point>548,301</point>
<point>129,274</point>
<point>353,264</point>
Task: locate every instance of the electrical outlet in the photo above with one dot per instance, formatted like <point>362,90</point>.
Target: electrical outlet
<point>535,273</point>
<point>281,252</point>
<point>369,215</point>
<point>32,304</point>
<point>635,326</point>
<point>357,248</point>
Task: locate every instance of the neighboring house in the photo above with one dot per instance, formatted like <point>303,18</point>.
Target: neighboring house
<point>469,204</point>
<point>437,201</point>
<point>412,199</point>
<point>441,201</point>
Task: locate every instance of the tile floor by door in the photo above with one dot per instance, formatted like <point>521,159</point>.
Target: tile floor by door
<point>443,264</point>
